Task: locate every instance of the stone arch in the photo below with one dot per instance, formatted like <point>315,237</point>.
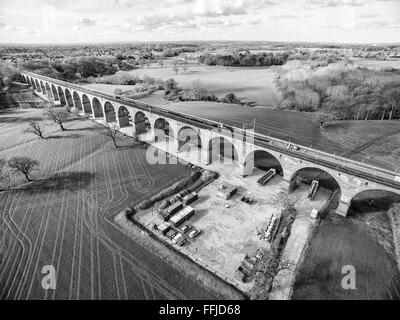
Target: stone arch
<point>124,117</point>
<point>109,112</point>
<point>264,160</point>
<point>372,200</point>
<point>33,85</point>
<point>42,87</point>
<point>77,101</point>
<point>162,130</point>
<point>55,93</point>
<point>38,85</point>
<point>87,106</point>
<point>48,90</point>
<point>188,138</point>
<point>62,97</point>
<point>221,150</point>
<point>68,98</point>
<point>23,78</point>
<point>97,108</point>
<point>306,175</point>
<point>142,123</point>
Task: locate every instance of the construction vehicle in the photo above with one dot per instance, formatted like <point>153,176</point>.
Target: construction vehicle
<point>270,174</point>
<point>313,189</point>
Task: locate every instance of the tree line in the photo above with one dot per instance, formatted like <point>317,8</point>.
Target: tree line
<point>245,59</point>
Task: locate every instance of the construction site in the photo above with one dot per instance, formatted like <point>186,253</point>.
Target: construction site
<point>229,224</point>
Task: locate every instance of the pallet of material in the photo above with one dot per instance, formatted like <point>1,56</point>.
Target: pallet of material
<point>182,216</point>
<point>267,177</point>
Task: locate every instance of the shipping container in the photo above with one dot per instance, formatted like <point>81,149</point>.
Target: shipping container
<point>174,208</point>
<point>182,216</point>
<point>190,198</point>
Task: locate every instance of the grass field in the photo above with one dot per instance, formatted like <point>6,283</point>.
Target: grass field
<point>347,241</point>
<point>65,221</point>
<point>252,85</point>
<point>351,135</point>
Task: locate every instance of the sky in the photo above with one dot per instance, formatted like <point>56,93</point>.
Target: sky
<point>100,21</point>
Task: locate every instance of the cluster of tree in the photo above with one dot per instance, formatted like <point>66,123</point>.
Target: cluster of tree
<point>174,93</point>
<point>127,78</point>
<point>342,91</point>
<point>77,68</point>
<point>245,59</point>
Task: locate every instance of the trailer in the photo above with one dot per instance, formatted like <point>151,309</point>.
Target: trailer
<point>266,178</point>
<point>313,189</point>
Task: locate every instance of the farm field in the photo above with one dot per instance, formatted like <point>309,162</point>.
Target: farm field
<point>65,220</point>
<point>347,241</point>
<point>253,85</point>
<point>372,141</point>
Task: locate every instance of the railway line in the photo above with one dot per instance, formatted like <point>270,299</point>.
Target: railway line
<point>340,163</point>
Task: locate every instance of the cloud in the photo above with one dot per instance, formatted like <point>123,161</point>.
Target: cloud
<point>84,22</point>
<point>337,3</point>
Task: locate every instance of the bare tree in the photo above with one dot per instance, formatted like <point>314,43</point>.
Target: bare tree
<point>36,129</point>
<point>23,165</point>
<point>175,68</point>
<point>289,203</point>
<point>111,131</point>
<point>57,116</point>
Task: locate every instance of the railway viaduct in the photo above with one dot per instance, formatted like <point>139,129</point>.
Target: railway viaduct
<point>205,139</point>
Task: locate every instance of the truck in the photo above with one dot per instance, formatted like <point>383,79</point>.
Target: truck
<point>267,177</point>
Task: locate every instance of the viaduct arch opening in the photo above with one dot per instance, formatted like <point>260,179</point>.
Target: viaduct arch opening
<point>124,117</point>
<point>97,108</point>
<point>109,112</point>
<point>55,93</point>
<point>43,87</point>
<point>77,101</point>
<point>305,176</point>
<point>189,139</point>
<point>373,201</point>
<point>142,123</point>
<point>87,106</point>
<point>48,90</point>
<point>162,130</point>
<point>68,97</point>
<point>38,85</point>
<point>221,150</point>
<point>261,160</point>
<point>34,85</point>
<point>62,97</point>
